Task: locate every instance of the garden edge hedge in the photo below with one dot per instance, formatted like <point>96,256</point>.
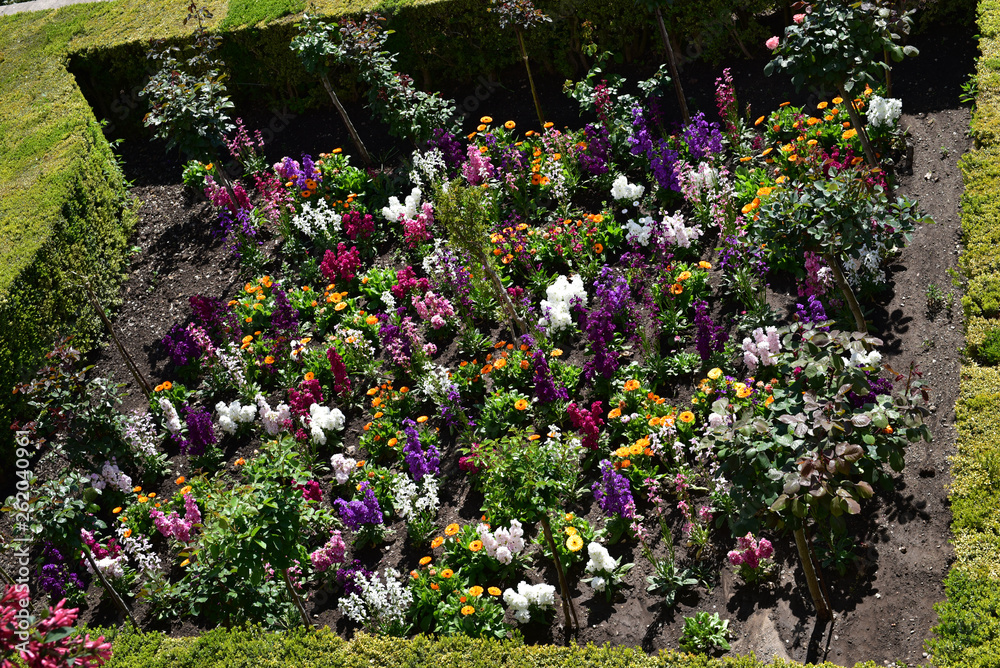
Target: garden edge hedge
<point>322,648</point>
<point>968,632</point>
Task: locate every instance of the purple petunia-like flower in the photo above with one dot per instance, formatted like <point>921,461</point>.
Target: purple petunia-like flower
<point>285,317</point>
<point>711,337</point>
<point>356,513</point>
<point>200,432</point>
<point>613,493</point>
<point>181,346</point>
<point>702,137</point>
<point>420,462</point>
<point>546,388</point>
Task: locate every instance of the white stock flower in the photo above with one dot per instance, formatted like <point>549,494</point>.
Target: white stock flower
<point>621,189</point>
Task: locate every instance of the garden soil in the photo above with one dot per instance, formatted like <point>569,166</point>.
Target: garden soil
<point>883,603</point>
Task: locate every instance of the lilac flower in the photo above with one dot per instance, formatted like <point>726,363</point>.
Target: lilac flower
<point>450,148</point>
<point>356,513</point>
<point>660,156</point>
<point>594,159</point>
<point>703,139</point>
<point>711,337</point>
<point>200,431</point>
<point>419,461</point>
<point>56,579</point>
<point>811,311</point>
<point>613,493</point>
<point>878,386</point>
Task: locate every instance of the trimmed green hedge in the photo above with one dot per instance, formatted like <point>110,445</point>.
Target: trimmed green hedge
<point>968,633</point>
<point>253,648</point>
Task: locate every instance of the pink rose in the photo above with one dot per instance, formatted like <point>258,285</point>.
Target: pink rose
<point>772,43</point>
<point>798,18</point>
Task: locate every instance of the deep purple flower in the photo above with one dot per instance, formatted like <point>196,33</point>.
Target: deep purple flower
<point>710,337</point>
<point>878,386</point>
<point>347,577</point>
<point>811,311</point>
<point>200,432</point>
<point>420,462</point>
<point>659,154</point>
<point>613,493</point>
<point>56,579</point>
<point>703,138</point>
<point>180,345</point>
<point>594,159</point>
<point>546,389</point>
<point>450,148</point>
<point>285,318</point>
<point>356,513</point>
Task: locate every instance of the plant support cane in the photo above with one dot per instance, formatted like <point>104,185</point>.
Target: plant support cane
<point>108,588</point>
<point>347,121</point>
<point>298,601</point>
<point>856,124</point>
<point>563,586</point>
<point>822,609</point>
<point>673,67</point>
<point>129,362</point>
<point>531,80</point>
<point>848,292</point>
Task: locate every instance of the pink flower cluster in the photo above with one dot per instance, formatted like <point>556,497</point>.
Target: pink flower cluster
<point>819,276</point>
<point>220,198</point>
<point>310,491</point>
<point>417,230</point>
<point>342,264</point>
<point>702,517</point>
<point>586,422</point>
<point>173,526</point>
<point>407,282</point>
<point>341,383</point>
<point>310,392</point>
<point>434,309</point>
<point>751,553</point>
<point>357,225</point>
<point>478,169</point>
<point>331,553</point>
<point>30,639</point>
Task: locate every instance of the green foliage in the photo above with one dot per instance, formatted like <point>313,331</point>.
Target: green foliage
<point>705,633</point>
<point>239,647</point>
<point>255,12</point>
<point>840,45</point>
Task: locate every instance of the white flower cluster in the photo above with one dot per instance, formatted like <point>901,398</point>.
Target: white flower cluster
<point>868,261</point>
<point>408,208</point>
<point>436,384</point>
<point>322,420</point>
<point>354,340</point>
<point>110,567</point>
<point>138,546</point>
<point>428,167</point>
<point>675,232</point>
<point>883,111</point>
<point>528,596</point>
<point>704,178</point>
<point>342,467</point>
<point>233,415</point>
<point>502,544</point>
<point>863,359</point>
<point>171,421</point>
<point>621,189</point>
<point>111,475</point>
<point>314,220</point>
<point>640,232</point>
<point>273,419</point>
<point>601,565</point>
<point>562,294</point>
<point>413,501</point>
<point>389,300</point>
<point>233,363</point>
<point>762,349</point>
<point>381,604</point>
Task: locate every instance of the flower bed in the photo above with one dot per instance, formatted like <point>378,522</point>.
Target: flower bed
<point>537,320</point>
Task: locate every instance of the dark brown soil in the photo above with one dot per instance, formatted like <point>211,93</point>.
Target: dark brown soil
<point>883,607</point>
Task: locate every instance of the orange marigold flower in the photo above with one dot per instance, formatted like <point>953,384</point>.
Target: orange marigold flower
<point>521,405</point>
<point>598,248</point>
<point>486,119</point>
<point>494,591</point>
<point>534,437</point>
<point>574,543</point>
<point>686,417</point>
<point>310,375</point>
<point>486,369</point>
<point>676,289</point>
<point>185,490</point>
<point>683,276</point>
<point>476,545</point>
<point>117,510</point>
<point>447,573</point>
<point>468,610</point>
<point>435,586</point>
<point>500,363</point>
<point>422,419</point>
<point>509,125</point>
<point>524,364</point>
<point>451,529</point>
<point>631,384</point>
<point>437,542</point>
<point>556,352</point>
<point>392,442</point>
<point>425,560</point>
<point>614,413</point>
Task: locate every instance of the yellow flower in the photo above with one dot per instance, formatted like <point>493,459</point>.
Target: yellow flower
<point>521,405</point>
<point>715,373</point>
<point>509,125</point>
<point>742,391</point>
<point>574,543</point>
<point>494,591</point>
<point>705,265</point>
<point>571,531</point>
<point>486,119</point>
<point>838,100</point>
<point>822,105</point>
<point>468,610</point>
<point>476,591</point>
<point>556,352</point>
<point>686,417</point>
